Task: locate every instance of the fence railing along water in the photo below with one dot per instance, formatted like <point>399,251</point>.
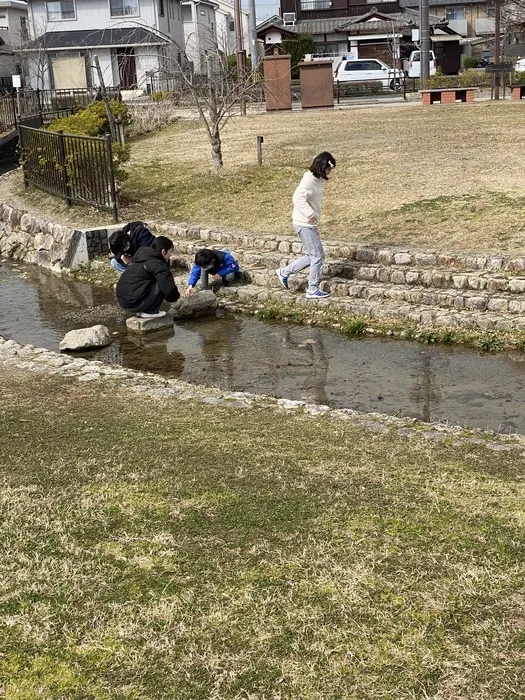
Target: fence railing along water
<point>76,168</point>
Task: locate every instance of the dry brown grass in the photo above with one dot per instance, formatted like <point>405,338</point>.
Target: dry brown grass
<point>435,177</point>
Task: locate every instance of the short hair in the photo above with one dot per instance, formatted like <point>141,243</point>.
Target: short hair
<point>204,257</point>
<point>162,243</point>
<point>320,165</point>
<point>119,243</point>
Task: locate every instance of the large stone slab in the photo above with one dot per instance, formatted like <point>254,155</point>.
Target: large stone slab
<point>86,338</point>
<point>138,324</point>
<point>202,303</point>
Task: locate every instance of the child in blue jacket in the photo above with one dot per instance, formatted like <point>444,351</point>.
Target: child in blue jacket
<point>220,264</point>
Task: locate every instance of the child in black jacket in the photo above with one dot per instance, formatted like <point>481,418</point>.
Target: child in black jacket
<point>147,282</point>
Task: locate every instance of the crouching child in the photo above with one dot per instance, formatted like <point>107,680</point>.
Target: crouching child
<point>148,281</point>
<point>125,243</point>
<point>220,264</point>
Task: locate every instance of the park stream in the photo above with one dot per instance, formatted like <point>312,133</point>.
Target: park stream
<point>242,353</point>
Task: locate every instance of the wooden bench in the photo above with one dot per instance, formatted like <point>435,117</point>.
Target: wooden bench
<point>517,92</point>
<point>447,96</point>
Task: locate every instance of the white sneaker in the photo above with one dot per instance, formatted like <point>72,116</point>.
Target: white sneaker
<point>160,314</point>
<point>317,294</point>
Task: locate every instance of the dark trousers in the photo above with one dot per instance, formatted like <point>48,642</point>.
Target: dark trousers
<point>151,303</point>
<point>229,277</point>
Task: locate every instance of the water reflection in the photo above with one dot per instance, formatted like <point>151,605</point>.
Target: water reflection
<point>238,353</point>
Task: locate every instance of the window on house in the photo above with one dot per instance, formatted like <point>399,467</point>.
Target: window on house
<point>64,9</point>
<point>231,26</point>
<point>454,13</point>
<point>161,8</point>
<point>316,4</point>
<point>491,12</point>
<point>124,8</point>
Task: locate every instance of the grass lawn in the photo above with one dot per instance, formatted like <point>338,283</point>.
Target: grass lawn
<point>157,549</point>
<point>450,177</point>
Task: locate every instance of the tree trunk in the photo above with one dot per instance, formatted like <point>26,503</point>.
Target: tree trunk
<point>216,146</point>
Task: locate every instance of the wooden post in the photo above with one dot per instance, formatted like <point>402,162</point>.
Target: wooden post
<point>111,175</point>
<point>21,149</point>
<point>260,141</point>
<point>63,166</point>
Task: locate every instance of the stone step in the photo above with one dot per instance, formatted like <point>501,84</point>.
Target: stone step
<point>384,309</point>
<point>459,300</point>
<point>477,280</point>
<point>363,253</point>
<point>427,296</point>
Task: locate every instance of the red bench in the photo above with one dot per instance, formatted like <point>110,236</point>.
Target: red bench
<point>447,96</point>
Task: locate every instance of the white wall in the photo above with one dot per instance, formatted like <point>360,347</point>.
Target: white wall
<point>273,37</point>
<point>226,39</point>
<point>90,14</point>
<point>147,61</point>
<point>107,65</point>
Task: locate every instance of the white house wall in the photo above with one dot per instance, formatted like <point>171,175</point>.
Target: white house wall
<point>147,63</point>
<point>90,14</point>
<point>107,66</point>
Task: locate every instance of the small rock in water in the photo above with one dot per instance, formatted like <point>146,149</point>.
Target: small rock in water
<point>84,338</point>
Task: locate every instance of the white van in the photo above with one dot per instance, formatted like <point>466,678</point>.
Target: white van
<point>367,70</point>
<point>412,64</point>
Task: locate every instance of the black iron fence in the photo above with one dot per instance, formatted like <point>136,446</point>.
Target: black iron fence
<point>27,103</point>
<point>76,168</point>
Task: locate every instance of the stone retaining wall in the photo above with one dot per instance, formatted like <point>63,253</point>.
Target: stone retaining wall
<point>360,252</point>
<point>34,240</point>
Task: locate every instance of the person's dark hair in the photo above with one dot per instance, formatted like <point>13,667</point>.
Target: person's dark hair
<point>204,257</point>
<point>133,226</point>
<point>162,243</point>
<point>321,163</point>
<point>119,243</point>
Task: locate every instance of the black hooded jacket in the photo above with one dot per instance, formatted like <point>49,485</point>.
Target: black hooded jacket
<point>135,282</point>
<point>139,235</point>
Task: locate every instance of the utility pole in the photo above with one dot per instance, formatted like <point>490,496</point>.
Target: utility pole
<point>253,36</point>
<point>241,65</point>
<point>424,43</point>
<point>497,46</point>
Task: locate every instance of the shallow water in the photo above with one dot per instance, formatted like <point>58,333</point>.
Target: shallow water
<point>245,354</point>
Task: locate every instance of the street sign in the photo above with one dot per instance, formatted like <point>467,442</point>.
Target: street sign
<point>499,68</point>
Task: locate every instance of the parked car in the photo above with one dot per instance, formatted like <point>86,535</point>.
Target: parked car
<point>520,65</point>
<point>412,64</point>
<point>367,70</point>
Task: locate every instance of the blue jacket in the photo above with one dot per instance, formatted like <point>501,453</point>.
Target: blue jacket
<point>224,264</point>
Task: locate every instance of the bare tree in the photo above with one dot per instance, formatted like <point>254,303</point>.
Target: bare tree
<point>216,96</point>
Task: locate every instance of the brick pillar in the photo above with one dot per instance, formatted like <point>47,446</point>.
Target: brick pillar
<point>426,98</point>
<point>470,95</point>
<point>448,98</point>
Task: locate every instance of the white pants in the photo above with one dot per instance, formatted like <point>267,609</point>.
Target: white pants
<point>313,257</point>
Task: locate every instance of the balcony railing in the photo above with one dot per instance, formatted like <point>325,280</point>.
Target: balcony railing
<point>349,11</point>
<point>484,25</point>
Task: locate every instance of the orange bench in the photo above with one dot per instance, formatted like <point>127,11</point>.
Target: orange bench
<point>447,96</point>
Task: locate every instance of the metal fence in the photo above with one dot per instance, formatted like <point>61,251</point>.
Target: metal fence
<point>28,103</point>
<point>76,168</point>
